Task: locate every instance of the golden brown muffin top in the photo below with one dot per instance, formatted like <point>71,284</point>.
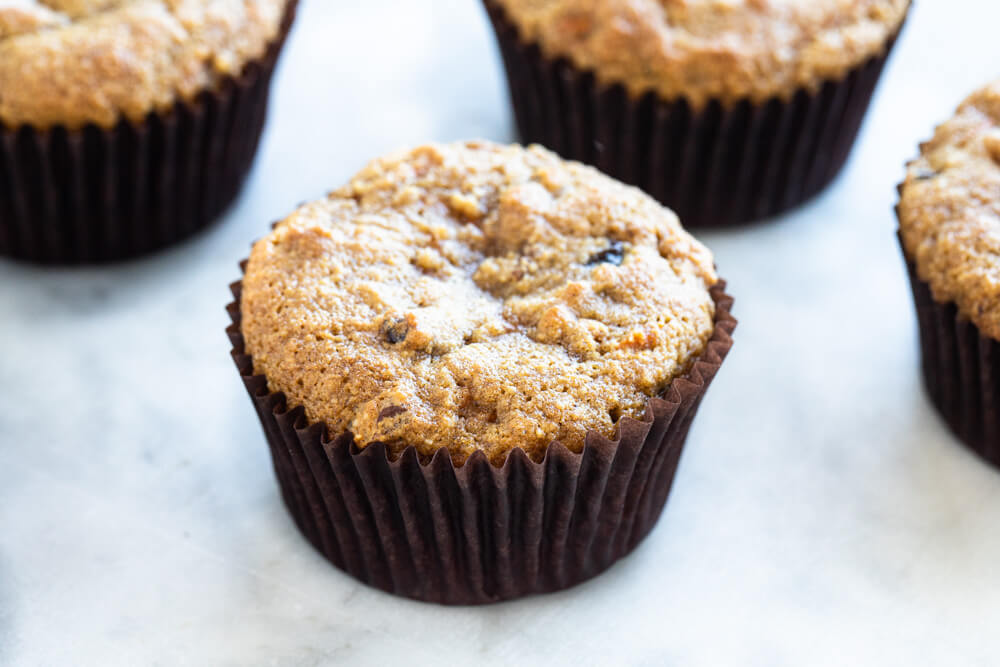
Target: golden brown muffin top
<point>711,49</point>
<point>949,210</point>
<point>73,62</point>
<point>476,296</point>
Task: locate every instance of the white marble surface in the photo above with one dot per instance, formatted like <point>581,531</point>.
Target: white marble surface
<point>822,514</point>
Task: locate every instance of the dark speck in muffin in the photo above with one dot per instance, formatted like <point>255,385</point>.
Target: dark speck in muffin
<point>395,330</point>
<point>391,411</point>
<point>613,254</point>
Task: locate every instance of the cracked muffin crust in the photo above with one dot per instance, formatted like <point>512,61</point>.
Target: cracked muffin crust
<point>476,296</point>
<point>711,49</point>
<point>74,62</point>
<point>949,211</point>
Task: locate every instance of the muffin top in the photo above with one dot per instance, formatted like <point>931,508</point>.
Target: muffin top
<point>711,49</point>
<point>74,62</point>
<point>949,210</point>
<point>476,296</point>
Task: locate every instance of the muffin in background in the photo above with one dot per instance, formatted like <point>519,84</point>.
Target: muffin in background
<point>727,112</point>
<point>949,221</point>
<point>127,126</point>
<point>476,366</point>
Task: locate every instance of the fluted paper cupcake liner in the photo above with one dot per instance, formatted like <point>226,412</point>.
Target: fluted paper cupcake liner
<point>721,165</point>
<point>479,533</point>
<point>99,195</point>
<point>961,369</point>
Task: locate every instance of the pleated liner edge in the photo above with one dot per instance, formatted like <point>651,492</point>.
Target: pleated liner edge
<point>101,195</point>
<point>961,369</point>
<point>479,533</point>
<point>717,167</point>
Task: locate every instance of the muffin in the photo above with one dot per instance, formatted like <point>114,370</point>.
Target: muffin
<point>476,366</point>
<point>127,125</point>
<point>726,111</point>
<point>949,221</point>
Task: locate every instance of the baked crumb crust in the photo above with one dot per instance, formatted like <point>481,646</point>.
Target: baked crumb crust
<point>476,296</point>
<point>74,62</point>
<point>702,50</point>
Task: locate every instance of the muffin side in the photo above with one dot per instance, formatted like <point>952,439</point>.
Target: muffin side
<point>716,162</point>
<point>949,230</point>
<point>96,194</point>
<point>961,370</point>
<point>476,297</point>
<point>480,533</point>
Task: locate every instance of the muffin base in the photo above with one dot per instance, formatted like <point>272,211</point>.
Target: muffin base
<point>100,195</point>
<point>479,533</point>
<point>719,166</point>
<point>961,369</point>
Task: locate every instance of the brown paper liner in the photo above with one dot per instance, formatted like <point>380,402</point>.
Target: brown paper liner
<point>720,166</point>
<point>479,533</point>
<point>961,368</point>
<point>100,195</point>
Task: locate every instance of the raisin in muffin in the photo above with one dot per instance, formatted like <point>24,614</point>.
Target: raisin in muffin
<point>476,366</point>
<point>726,111</point>
<point>949,218</point>
<point>128,124</point>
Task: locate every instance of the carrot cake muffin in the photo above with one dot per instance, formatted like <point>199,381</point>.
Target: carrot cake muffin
<point>162,90</point>
<point>476,296</point>
<point>476,366</point>
<point>680,57</point>
<point>949,218</point>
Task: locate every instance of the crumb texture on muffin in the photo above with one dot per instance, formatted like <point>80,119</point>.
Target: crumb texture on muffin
<point>476,296</point>
<point>702,50</point>
<point>949,210</point>
<point>74,62</point>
